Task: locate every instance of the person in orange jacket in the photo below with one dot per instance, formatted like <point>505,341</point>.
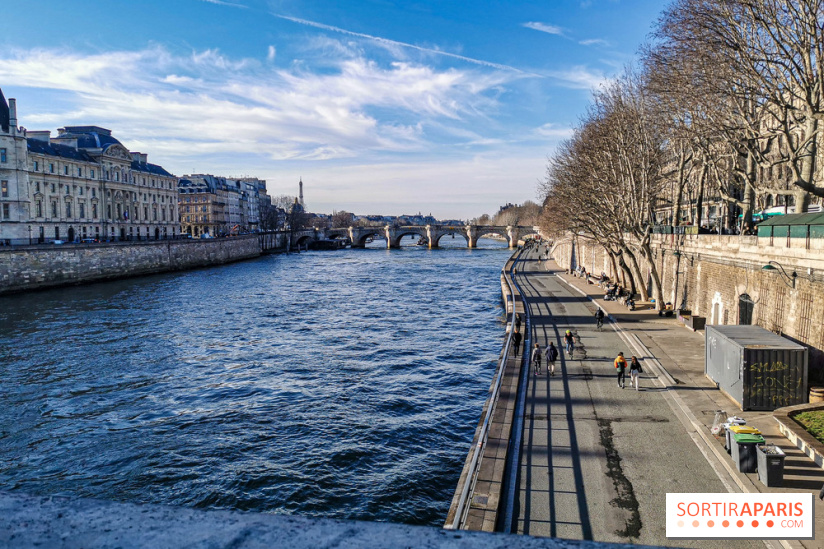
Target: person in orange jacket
<point>621,366</point>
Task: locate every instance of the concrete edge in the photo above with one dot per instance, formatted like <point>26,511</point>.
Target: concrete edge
<point>796,434</point>
<point>75,523</point>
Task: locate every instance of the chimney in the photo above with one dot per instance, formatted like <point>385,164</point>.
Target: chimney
<point>40,135</point>
<point>13,113</point>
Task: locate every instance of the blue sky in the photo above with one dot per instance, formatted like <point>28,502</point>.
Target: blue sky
<point>448,107</point>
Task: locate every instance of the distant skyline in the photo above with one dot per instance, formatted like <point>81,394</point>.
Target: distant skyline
<point>448,108</point>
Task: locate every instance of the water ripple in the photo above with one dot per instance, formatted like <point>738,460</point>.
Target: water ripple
<point>343,385</point>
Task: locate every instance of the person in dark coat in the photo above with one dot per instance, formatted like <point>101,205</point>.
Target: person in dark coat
<point>551,357</point>
<point>516,341</point>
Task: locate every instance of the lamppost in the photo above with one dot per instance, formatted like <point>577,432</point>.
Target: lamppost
<point>793,276</point>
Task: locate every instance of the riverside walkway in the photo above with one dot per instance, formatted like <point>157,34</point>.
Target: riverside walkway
<point>597,460</point>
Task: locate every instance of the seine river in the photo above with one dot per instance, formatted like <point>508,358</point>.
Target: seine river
<point>340,384</point>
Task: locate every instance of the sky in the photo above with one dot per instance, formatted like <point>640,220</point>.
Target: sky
<point>445,107</point>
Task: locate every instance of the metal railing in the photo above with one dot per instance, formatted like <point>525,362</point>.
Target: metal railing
<point>474,466</point>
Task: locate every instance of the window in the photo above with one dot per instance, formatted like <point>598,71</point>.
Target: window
<point>145,212</point>
<point>65,170</point>
<point>51,168</point>
<point>94,211</point>
<point>37,186</point>
<point>53,188</point>
<point>79,172</point>
<point>109,212</point>
<point>54,209</point>
<point>82,210</point>
<point>38,208</point>
<point>93,192</point>
<point>3,155</point>
<point>187,209</point>
<point>4,189</point>
<point>68,209</point>
<point>36,165</point>
<point>92,174</point>
<point>6,212</point>
<point>80,191</point>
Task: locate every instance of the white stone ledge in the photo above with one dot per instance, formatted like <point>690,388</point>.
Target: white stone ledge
<point>70,523</point>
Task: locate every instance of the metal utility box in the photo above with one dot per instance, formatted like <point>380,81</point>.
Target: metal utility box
<point>756,368</point>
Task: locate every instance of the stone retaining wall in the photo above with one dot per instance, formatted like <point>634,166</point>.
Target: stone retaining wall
<point>35,267</point>
<point>711,275</point>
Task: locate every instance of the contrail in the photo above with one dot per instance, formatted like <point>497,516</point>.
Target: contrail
<point>395,43</point>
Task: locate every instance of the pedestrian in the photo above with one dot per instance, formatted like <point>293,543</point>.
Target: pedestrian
<point>517,323</point>
<point>569,343</point>
<point>635,372</point>
<point>620,366</point>
<point>536,359</point>
<point>516,341</point>
<point>551,357</point>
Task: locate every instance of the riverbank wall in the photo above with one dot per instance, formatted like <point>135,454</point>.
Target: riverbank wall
<point>480,502</point>
<point>26,268</point>
<point>722,279</point>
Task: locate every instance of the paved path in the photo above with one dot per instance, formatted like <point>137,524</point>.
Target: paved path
<point>597,459</point>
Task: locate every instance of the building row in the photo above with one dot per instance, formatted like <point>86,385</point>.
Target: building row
<point>84,184</point>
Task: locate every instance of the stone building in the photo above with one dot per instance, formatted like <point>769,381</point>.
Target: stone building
<point>218,206</point>
<point>82,184</point>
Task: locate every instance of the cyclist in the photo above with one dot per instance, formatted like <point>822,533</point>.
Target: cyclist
<point>569,342</point>
<point>599,317</point>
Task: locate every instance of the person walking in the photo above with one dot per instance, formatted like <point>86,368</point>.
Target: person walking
<point>517,323</point>
<point>536,359</point>
<point>551,357</point>
<point>621,365</point>
<point>635,372</point>
<point>569,343</point>
<point>516,341</point>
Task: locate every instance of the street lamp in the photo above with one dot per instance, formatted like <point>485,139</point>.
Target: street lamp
<point>769,268</point>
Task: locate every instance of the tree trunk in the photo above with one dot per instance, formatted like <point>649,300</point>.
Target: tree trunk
<point>657,290</point>
<point>702,177</point>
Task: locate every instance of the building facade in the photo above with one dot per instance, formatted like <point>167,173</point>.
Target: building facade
<point>219,206</point>
<point>81,185</point>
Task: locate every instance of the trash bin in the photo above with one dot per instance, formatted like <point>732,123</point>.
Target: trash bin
<point>770,464</point>
<point>740,427</point>
<point>743,451</point>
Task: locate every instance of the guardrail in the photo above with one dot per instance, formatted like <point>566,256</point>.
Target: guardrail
<point>477,450</point>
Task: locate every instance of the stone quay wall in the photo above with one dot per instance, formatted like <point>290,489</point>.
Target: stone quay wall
<point>720,277</point>
<point>34,267</point>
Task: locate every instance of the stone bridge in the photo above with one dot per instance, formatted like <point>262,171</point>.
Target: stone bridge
<point>358,237</point>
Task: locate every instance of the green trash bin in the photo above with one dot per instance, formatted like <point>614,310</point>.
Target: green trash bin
<point>743,452</point>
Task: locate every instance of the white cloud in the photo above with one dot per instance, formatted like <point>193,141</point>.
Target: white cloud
<point>271,53</point>
<point>553,131</point>
<point>206,102</point>
<point>543,27</point>
<point>222,3</point>
<point>395,43</point>
<point>580,77</point>
<point>594,42</point>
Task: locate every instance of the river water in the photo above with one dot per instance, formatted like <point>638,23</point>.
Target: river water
<point>340,384</point>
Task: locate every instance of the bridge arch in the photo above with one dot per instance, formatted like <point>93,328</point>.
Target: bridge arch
<point>363,236</point>
<point>395,235</point>
<point>435,239</point>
